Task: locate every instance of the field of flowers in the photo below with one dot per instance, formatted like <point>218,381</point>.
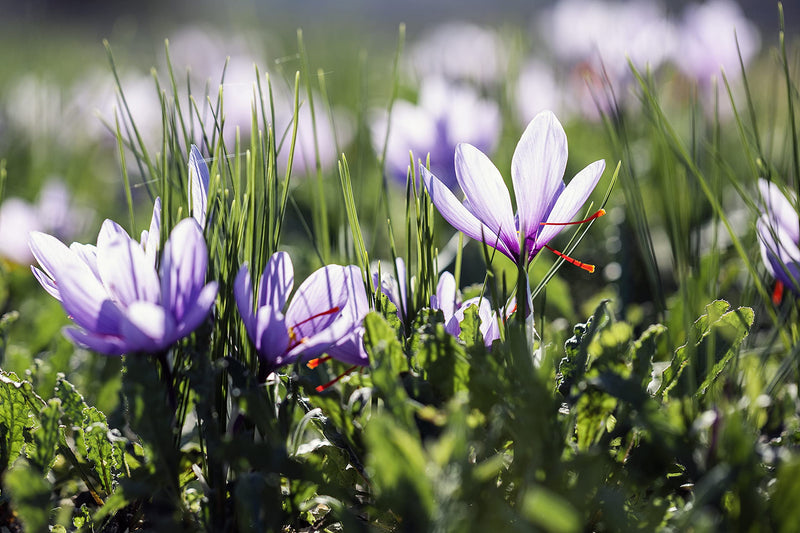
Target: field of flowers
<point>464,277</point>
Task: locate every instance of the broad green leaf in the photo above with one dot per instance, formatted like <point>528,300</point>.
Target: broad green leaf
<point>15,417</point>
<point>388,361</point>
<point>46,435</point>
<point>105,454</point>
<point>72,402</point>
<point>593,411</point>
<point>550,512</point>
<point>30,495</point>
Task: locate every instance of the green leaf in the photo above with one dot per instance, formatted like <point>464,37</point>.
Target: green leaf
<point>46,435</point>
<point>593,411</point>
<point>550,511</point>
<point>30,495</point>
<point>105,454</point>
<point>388,361</point>
<point>445,363</point>
<point>15,416</point>
<point>72,402</point>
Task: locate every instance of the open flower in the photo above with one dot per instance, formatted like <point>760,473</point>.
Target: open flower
<point>544,203</point>
<point>448,301</point>
<point>778,236</point>
<point>113,293</point>
<point>324,316</point>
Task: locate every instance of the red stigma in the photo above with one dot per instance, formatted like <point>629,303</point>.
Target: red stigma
<point>330,311</point>
<point>597,214</point>
<point>580,264</point>
<point>777,293</point>
<point>321,388</point>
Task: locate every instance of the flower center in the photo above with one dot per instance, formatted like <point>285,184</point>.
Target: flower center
<point>293,340</point>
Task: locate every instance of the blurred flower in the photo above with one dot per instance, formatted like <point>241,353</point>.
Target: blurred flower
<point>537,89</point>
<point>53,213</point>
<point>449,302</point>
<point>461,51</point>
<point>324,315</point>
<point>198,186</point>
<point>707,42</point>
<point>778,231</point>
<point>112,292</point>
<point>446,115</point>
<point>544,204</point>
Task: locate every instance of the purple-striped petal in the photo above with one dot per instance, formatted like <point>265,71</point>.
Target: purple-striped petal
<point>446,295</point>
<point>125,271</point>
<point>199,310</point>
<point>47,283</point>
<point>460,217</point>
<point>183,268</point>
<point>147,327</point>
<point>779,208</point>
<point>318,301</point>
<point>485,191</point>
<point>105,344</point>
<point>243,293</point>
<point>87,302</point>
<point>780,254</point>
<point>52,254</point>
<point>276,281</point>
<point>88,254</point>
<point>198,186</point>
<point>570,201</point>
<point>273,338</point>
<point>151,239</point>
<point>537,170</point>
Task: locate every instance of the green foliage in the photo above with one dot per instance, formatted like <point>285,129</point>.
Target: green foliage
<point>15,419</point>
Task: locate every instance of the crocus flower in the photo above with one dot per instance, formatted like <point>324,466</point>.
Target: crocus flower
<point>54,213</point>
<point>448,301</point>
<point>544,203</point>
<point>113,293</point>
<point>778,231</point>
<point>445,115</point>
<point>394,287</point>
<point>323,316</point>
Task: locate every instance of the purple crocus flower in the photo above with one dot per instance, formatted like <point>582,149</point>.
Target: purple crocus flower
<point>778,236</point>
<point>323,316</point>
<point>544,203</point>
<point>394,287</point>
<point>445,115</point>
<point>448,301</point>
<point>113,293</point>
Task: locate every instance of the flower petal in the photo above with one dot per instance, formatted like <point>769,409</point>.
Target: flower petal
<point>105,344</point>
<point>446,297</point>
<point>276,281</point>
<point>318,301</point>
<point>462,218</point>
<point>198,186</point>
<point>243,293</point>
<point>537,170</point>
<point>780,208</point>
<point>485,191</point>
<point>151,239</point>
<point>780,254</point>
<point>570,202</point>
<point>87,302</point>
<point>183,268</point>
<point>272,336</point>
<point>52,254</point>
<point>198,312</point>
<point>147,327</point>
<point>125,271</point>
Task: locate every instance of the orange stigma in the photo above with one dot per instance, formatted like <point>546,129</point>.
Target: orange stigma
<point>597,214</point>
<point>586,266</point>
<point>314,363</point>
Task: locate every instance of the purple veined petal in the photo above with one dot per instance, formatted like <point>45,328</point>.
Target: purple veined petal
<point>780,208</point>
<point>198,186</point>
<point>485,192</point>
<point>321,340</point>
<point>105,344</point>
<point>276,281</point>
<point>446,297</point>
<point>570,202</point>
<point>47,283</point>
<point>243,293</point>
<point>357,305</point>
<point>402,281</point>
<point>350,349</point>
<point>537,170</point>
<point>183,268</point>
<point>88,254</point>
<point>110,231</point>
<point>780,254</point>
<point>460,217</point>
<point>125,271</point>
<point>147,327</point>
<point>272,339</point>
<point>52,254</point>
<point>151,239</point>
<point>87,302</point>
<point>199,310</point>
<point>318,302</point>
